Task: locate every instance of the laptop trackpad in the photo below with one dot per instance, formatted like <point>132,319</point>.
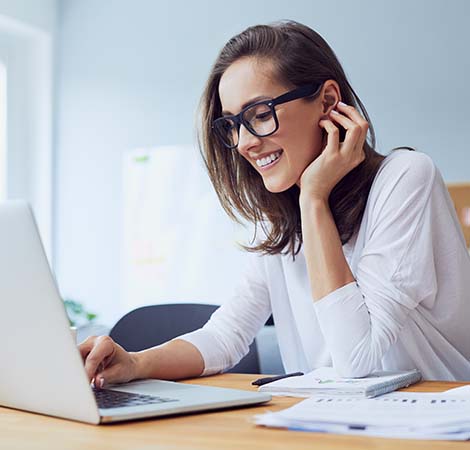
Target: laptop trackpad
<point>150,387</point>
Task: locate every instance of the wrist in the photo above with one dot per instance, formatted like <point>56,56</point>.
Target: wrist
<point>312,201</point>
<point>137,365</point>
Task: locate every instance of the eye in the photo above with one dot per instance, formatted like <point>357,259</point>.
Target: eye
<point>264,115</point>
<point>260,112</point>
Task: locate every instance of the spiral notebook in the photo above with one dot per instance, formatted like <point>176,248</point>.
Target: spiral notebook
<point>324,380</point>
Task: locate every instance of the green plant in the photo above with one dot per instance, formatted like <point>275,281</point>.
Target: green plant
<point>77,313</point>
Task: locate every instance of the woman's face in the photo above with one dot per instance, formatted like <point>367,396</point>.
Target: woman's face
<point>299,137</point>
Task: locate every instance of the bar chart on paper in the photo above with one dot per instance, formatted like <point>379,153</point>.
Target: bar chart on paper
<point>178,243</point>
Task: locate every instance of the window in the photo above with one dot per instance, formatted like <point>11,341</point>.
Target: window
<point>26,121</point>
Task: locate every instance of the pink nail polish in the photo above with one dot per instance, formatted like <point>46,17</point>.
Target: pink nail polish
<point>342,104</point>
<point>101,382</point>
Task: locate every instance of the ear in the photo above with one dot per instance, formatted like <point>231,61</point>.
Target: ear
<point>330,95</point>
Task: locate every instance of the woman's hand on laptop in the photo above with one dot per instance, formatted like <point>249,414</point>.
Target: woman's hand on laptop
<point>107,362</point>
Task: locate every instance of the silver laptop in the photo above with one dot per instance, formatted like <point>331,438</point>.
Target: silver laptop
<point>41,368</point>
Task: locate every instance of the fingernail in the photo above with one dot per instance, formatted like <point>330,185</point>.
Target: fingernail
<point>101,382</point>
<point>342,104</point>
<point>333,111</point>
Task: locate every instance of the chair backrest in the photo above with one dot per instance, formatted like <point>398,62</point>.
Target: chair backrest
<point>155,324</point>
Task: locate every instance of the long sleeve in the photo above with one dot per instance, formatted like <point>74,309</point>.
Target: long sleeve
<point>395,270</point>
<point>225,339</point>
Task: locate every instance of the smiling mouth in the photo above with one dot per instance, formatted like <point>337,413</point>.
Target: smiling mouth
<point>268,160</point>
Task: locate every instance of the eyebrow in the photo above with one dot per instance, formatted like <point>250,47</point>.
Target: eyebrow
<point>249,102</point>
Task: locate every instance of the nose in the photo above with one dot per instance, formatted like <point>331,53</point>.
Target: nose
<point>247,140</point>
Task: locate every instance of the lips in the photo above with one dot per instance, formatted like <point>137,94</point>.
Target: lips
<point>267,158</point>
<point>268,161</point>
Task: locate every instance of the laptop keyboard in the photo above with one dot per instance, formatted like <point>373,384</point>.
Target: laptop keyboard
<point>107,398</point>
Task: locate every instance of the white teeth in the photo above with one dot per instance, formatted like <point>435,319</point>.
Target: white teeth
<point>268,159</point>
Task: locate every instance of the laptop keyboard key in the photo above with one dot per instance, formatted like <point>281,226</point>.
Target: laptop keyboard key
<point>108,398</point>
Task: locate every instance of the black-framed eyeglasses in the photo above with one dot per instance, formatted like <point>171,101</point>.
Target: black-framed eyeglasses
<point>259,118</point>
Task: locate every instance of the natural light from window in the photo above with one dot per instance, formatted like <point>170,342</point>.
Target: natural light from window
<point>3,130</point>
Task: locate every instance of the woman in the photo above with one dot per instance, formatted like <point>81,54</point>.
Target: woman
<point>362,264</point>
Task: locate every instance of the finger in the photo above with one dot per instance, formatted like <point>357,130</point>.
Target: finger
<point>351,112</point>
<point>109,375</point>
<point>353,144</point>
<point>332,134</point>
<point>353,130</point>
<point>86,346</point>
<point>99,369</point>
<point>104,348</point>
<point>354,114</point>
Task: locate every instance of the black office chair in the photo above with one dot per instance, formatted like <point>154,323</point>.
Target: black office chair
<point>155,324</point>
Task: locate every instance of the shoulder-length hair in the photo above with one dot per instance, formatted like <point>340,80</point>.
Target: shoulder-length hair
<point>299,56</point>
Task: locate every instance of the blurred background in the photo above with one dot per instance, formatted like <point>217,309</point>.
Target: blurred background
<point>98,102</point>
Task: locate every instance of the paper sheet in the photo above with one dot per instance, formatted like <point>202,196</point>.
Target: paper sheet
<point>462,390</point>
<point>399,414</point>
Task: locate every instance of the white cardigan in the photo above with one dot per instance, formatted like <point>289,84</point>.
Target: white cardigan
<point>408,308</point>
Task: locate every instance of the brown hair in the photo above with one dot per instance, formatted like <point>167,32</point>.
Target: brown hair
<point>300,56</point>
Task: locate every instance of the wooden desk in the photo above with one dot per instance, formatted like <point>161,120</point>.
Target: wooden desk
<point>214,430</point>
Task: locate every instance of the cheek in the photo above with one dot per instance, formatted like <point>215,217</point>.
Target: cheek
<point>303,139</point>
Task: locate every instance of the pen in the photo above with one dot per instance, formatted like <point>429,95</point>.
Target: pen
<point>266,380</point>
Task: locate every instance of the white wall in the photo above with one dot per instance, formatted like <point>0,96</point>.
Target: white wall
<point>41,14</point>
<point>3,130</point>
<point>130,75</point>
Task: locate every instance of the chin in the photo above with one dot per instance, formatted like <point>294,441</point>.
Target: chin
<point>277,187</point>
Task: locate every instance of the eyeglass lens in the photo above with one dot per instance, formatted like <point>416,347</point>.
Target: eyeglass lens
<point>259,120</point>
